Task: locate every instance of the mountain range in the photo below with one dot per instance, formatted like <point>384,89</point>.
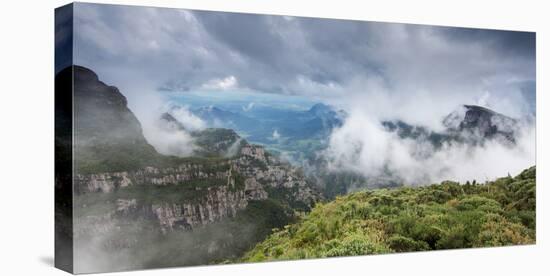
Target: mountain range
<point>260,125</point>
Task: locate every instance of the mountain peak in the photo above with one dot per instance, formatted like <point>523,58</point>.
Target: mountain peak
<point>481,121</point>
<point>82,73</point>
<point>104,123</point>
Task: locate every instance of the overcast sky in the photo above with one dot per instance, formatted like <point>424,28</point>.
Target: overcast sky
<point>396,70</point>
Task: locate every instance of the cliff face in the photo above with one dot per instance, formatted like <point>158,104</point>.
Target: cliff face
<point>208,193</point>
<point>217,204</point>
<point>109,182</point>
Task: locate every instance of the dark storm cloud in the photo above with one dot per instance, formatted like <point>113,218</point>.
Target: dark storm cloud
<point>250,35</point>
<point>188,50</point>
<point>507,42</point>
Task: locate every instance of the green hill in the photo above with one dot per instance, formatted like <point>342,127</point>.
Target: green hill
<point>443,216</point>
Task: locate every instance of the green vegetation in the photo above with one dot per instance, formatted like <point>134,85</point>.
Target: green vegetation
<point>214,142</point>
<point>122,157</point>
<point>287,197</point>
<point>443,216</point>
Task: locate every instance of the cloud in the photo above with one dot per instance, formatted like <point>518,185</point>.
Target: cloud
<point>321,58</point>
<point>276,135</point>
<point>376,71</point>
<point>226,83</point>
<point>189,120</point>
<point>363,146</point>
<point>248,107</point>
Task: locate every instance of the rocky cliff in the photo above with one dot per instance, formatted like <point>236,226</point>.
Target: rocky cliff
<point>194,194</point>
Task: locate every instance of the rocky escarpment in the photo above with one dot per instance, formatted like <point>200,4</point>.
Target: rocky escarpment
<point>281,178</point>
<point>109,182</point>
<point>216,203</point>
<point>192,194</point>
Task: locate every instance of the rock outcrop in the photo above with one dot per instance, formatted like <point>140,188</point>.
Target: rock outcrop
<point>470,124</point>
<point>226,188</point>
<point>474,122</point>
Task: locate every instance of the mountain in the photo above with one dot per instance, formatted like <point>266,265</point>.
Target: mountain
<point>405,130</point>
<point>317,122</point>
<point>442,216</point>
<point>323,111</point>
<point>470,124</point>
<point>107,134</point>
<point>220,142</point>
<point>298,134</point>
<point>210,142</point>
<point>481,122</point>
<point>217,117</point>
<point>135,208</point>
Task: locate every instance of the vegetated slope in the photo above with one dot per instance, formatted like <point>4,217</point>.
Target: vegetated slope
<point>444,216</point>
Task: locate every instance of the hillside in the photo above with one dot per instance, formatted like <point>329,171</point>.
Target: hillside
<point>107,135</point>
<point>443,216</point>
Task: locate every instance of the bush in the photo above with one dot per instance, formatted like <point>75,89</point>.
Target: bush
<point>399,243</point>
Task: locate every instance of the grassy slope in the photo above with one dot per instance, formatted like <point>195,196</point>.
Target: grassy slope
<point>443,216</point>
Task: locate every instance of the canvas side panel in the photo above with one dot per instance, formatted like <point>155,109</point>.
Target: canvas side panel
<point>64,138</point>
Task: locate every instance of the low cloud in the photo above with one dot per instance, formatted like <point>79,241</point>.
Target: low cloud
<point>226,83</point>
<point>276,135</point>
<point>185,117</point>
<point>363,146</point>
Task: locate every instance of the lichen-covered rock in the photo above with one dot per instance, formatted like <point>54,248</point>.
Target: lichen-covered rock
<point>218,204</point>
